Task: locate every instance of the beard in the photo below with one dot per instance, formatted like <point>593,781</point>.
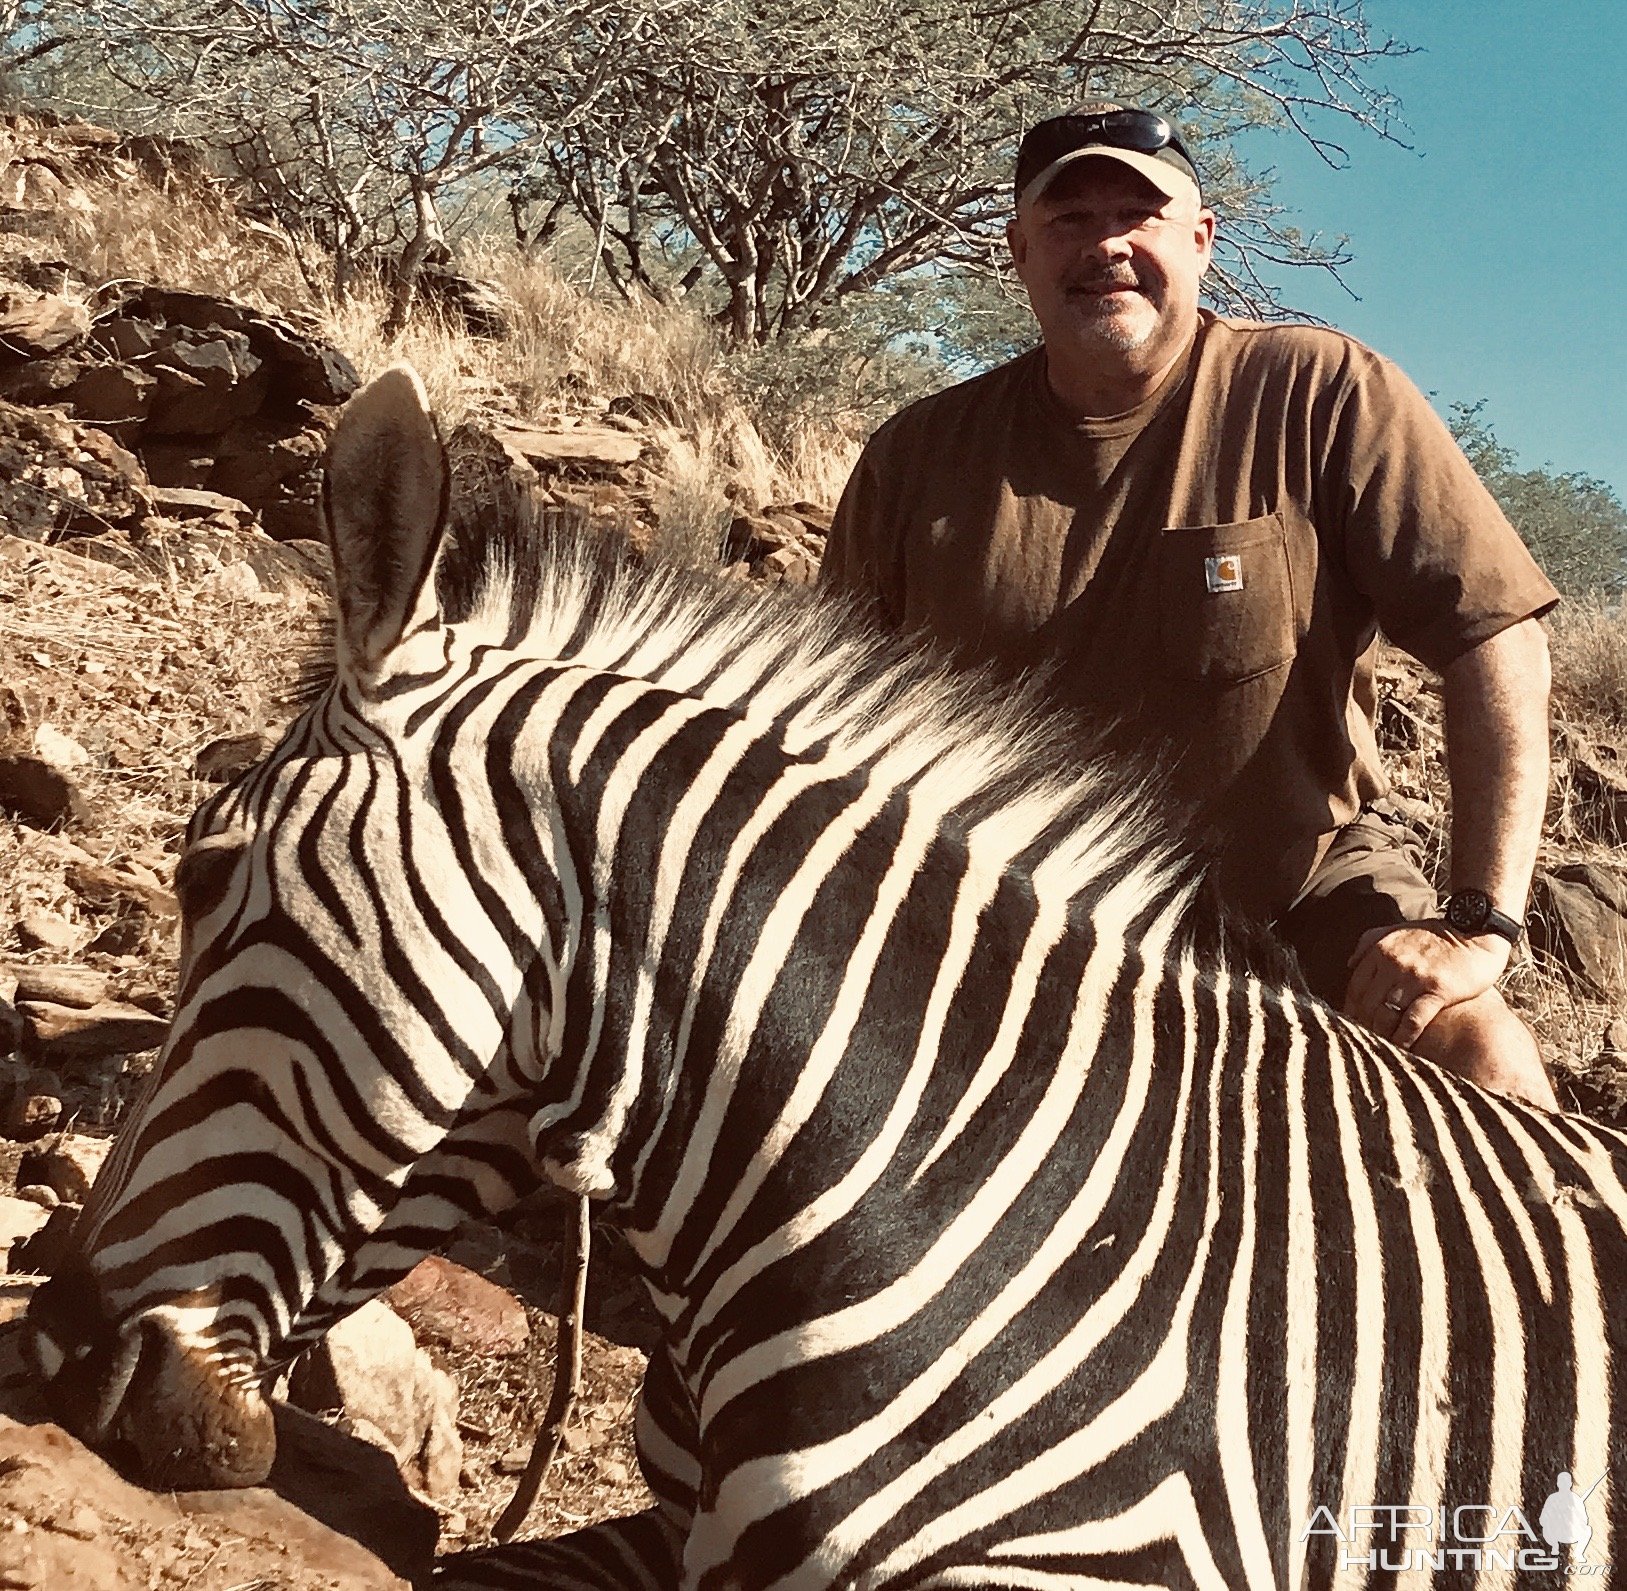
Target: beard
<point>1121,322</point>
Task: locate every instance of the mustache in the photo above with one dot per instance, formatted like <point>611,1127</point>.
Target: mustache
<point>1112,276</point>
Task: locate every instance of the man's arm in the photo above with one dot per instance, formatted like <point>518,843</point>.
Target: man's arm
<point>1496,697</point>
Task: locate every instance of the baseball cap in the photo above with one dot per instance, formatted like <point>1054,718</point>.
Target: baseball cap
<point>1141,139</point>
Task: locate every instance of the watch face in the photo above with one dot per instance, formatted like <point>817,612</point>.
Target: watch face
<point>1468,909</point>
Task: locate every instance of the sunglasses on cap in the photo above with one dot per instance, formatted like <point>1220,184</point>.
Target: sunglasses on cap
<point>1143,131</point>
<point>1124,129</point>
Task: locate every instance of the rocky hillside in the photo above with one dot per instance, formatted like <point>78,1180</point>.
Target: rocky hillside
<point>160,577</point>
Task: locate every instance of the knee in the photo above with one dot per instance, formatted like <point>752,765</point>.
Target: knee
<point>1484,1041</point>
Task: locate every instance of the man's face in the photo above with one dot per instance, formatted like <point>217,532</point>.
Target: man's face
<point>1112,265</point>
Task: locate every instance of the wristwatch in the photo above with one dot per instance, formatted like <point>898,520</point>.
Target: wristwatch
<point>1470,911</point>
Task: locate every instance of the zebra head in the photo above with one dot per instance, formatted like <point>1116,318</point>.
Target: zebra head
<point>325,1109</point>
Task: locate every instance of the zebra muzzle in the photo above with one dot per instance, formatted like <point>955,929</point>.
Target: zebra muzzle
<point>189,1426</point>
<point>186,1421</point>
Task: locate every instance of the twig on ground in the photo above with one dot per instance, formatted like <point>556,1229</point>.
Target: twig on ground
<point>567,1384</point>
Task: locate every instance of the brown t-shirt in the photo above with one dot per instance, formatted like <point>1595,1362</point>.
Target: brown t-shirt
<point>1213,566</point>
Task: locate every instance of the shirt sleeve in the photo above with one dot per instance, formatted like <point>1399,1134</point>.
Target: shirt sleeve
<point>1423,538</point>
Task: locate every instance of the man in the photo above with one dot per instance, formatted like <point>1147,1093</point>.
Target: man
<point>1198,526</point>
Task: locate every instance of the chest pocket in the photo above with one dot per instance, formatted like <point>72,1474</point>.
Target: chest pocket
<point>1226,600</point>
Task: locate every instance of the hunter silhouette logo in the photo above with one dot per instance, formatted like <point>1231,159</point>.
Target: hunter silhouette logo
<point>1224,572</point>
<point>1563,1520</point>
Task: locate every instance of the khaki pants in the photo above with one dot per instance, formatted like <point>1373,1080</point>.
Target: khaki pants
<point>1371,877</point>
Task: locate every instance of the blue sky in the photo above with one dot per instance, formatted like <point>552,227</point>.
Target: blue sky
<point>1491,258</point>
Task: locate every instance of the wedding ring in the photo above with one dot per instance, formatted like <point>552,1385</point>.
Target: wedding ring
<point>1396,1002</point>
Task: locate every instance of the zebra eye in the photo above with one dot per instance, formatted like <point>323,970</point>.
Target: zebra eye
<point>204,871</point>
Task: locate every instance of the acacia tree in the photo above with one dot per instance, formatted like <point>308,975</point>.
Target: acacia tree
<point>350,120</point>
<point>800,153</point>
<point>785,158</point>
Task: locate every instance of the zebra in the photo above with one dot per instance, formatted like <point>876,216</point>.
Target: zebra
<point>1010,1220</point>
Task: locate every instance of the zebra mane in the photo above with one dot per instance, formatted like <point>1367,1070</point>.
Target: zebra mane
<point>1031,784</point>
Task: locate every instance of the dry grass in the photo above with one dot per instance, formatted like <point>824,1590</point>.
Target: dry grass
<point>184,235</point>
<point>1588,641</point>
<point>571,351</point>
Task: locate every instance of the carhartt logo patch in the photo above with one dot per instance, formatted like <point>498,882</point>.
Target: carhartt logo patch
<point>1224,572</point>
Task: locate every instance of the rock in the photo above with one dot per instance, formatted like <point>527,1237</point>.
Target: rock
<point>1577,929</point>
<point>293,565</point>
<point>815,516</point>
<point>303,369</point>
<point>586,444</point>
<point>45,931</point>
<point>59,479</point>
<point>45,325</point>
<point>108,886</point>
<point>354,1489</point>
<point>367,1366</point>
<point>19,1220</point>
<point>177,461</point>
<point>482,462</point>
<point>482,307</point>
<point>31,185</point>
<point>125,338</point>
<point>208,381</point>
<point>13,1028</point>
<point>273,465</point>
<point>77,986</point>
<point>439,1464</point>
<point>184,503</point>
<point>370,1369</point>
<point>45,1251</point>
<point>75,1525</point>
<point>39,793</point>
<point>265,460</point>
<point>788,567</point>
<point>512,1462</point>
<point>47,1199</point>
<point>225,759</point>
<point>1608,884</point>
<point>60,750</point>
<point>44,276</point>
<point>114,395</point>
<point>27,1117</point>
<point>68,1033</point>
<point>236,582</point>
<point>446,1302</point>
<point>40,381</point>
<point>67,1165</point>
<point>754,536</point>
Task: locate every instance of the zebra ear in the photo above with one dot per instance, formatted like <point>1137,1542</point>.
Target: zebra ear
<point>385,494</point>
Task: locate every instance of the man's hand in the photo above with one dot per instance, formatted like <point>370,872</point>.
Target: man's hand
<point>1402,978</point>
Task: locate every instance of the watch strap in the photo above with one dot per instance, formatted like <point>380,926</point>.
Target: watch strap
<point>1501,923</point>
